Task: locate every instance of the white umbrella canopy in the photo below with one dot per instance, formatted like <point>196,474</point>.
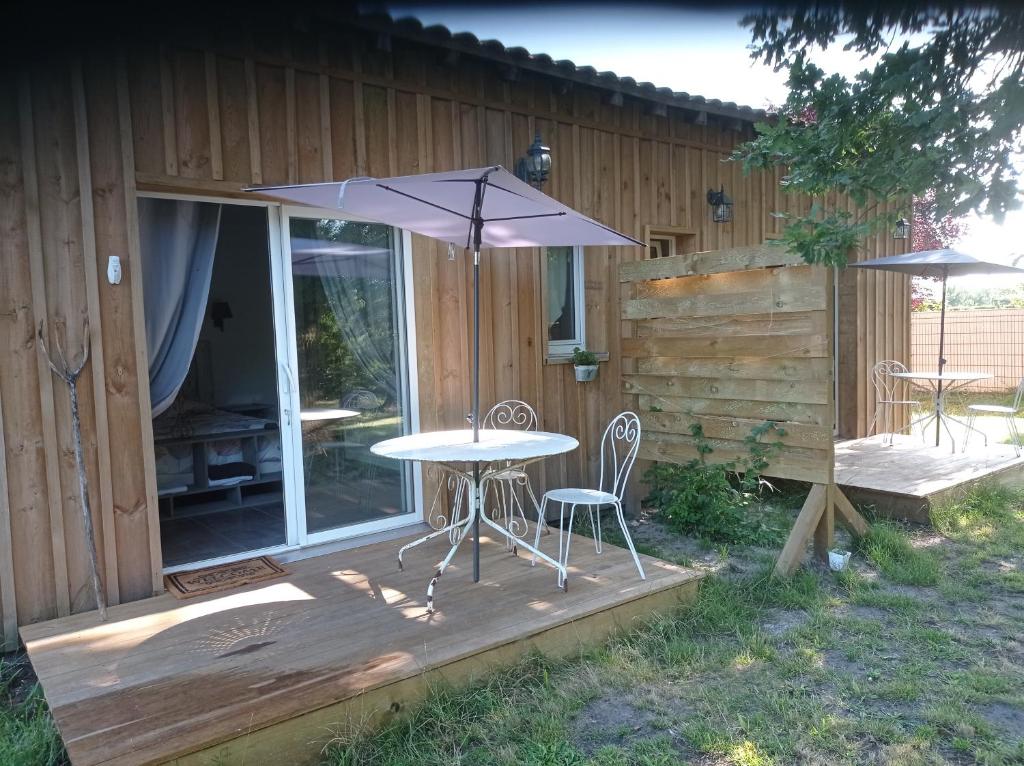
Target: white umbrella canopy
<point>441,206</point>
<point>476,209</point>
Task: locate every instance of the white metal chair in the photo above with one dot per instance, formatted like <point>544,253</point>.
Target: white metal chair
<point>619,446</point>
<point>890,393</point>
<point>1008,412</point>
<point>517,414</point>
<point>511,413</point>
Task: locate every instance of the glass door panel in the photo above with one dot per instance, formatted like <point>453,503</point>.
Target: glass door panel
<point>351,372</point>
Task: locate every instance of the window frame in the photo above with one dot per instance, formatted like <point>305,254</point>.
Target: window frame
<point>564,348</point>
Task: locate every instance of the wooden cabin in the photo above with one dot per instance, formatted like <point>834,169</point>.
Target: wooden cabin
<point>120,154</point>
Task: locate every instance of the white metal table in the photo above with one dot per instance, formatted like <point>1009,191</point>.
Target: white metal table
<point>940,386</point>
<point>476,462</point>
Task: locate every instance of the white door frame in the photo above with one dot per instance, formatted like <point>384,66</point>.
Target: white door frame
<point>284,330</point>
<point>290,393</point>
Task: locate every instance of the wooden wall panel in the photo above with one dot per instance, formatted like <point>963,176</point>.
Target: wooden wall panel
<point>191,117</point>
<point>703,377</point>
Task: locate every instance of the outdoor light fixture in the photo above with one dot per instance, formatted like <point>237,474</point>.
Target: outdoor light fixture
<point>535,167</point>
<point>902,230</point>
<point>721,205</point>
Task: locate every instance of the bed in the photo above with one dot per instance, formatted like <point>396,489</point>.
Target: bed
<point>200,449</point>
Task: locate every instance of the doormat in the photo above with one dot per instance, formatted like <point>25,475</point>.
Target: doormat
<point>200,582</point>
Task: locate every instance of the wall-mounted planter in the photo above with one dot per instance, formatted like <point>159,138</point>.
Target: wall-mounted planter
<point>585,372</point>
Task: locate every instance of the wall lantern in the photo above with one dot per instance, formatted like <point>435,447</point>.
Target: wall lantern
<point>721,205</point>
<point>535,167</point>
<point>902,230</point>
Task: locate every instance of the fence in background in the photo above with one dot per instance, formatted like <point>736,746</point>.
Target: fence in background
<point>983,340</point>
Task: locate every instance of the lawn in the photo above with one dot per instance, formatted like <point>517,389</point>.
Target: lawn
<point>913,656</point>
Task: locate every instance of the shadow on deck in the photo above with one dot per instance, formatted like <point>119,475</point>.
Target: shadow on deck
<point>269,672</point>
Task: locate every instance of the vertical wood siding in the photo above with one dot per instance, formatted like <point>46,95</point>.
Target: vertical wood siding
<point>78,138</point>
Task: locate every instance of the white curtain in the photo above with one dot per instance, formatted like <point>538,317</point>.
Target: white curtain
<point>359,292</point>
<point>178,243</point>
<point>559,265</point>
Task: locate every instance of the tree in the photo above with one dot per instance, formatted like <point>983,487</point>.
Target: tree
<point>938,117</point>
<point>931,230</point>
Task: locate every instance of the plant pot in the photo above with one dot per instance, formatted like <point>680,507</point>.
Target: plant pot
<point>837,560</point>
<point>585,372</point>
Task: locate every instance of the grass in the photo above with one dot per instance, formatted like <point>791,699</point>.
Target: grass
<point>912,656</point>
<point>27,734</point>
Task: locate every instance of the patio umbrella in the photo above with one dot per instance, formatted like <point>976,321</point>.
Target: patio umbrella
<point>940,264</point>
<point>475,209</point>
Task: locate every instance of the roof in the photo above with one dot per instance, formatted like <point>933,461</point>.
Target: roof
<point>439,35</point>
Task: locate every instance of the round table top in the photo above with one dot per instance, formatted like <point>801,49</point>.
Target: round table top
<point>314,414</point>
<point>946,376</point>
<point>458,446</point>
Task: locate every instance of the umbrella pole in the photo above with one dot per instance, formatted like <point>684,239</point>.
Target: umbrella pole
<point>942,362</point>
<point>476,411</point>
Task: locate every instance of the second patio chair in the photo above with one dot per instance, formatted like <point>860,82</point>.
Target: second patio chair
<point>619,446</point>
<point>890,393</point>
<point>511,414</point>
<point>1008,412</point>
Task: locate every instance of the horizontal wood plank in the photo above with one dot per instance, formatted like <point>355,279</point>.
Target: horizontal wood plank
<point>795,323</point>
<point>800,464</point>
<point>770,281</point>
<point>725,388</point>
<point>793,412</point>
<point>728,304</point>
<point>817,369</point>
<point>712,262</point>
<point>746,345</point>
<point>738,429</point>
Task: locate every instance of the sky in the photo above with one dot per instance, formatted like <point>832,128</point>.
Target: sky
<point>699,52</point>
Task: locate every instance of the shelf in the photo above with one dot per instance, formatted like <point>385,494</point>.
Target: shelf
<point>267,478</point>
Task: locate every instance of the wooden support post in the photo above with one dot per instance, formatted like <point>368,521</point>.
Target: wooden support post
<point>825,532</point>
<point>848,516</point>
<point>806,523</point>
<point>825,504</point>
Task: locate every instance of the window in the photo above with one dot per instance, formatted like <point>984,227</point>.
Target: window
<point>667,241</point>
<point>565,307</point>
<point>662,247</point>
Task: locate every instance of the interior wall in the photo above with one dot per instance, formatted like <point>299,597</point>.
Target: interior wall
<point>242,355</point>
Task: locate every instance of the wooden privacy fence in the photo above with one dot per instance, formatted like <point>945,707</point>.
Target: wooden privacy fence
<point>730,340</point>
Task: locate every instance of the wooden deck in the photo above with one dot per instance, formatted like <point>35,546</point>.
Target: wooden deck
<point>904,480</point>
<point>266,673</point>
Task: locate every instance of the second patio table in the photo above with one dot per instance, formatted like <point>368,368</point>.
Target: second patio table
<point>940,386</point>
<point>456,452</point>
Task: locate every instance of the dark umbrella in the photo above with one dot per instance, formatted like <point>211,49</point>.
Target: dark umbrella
<point>940,264</point>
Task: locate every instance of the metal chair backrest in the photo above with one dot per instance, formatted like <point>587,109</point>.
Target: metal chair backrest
<point>511,413</point>
<point>886,386</point>
<point>619,446</point>
<point>1018,396</point>
<point>361,400</point>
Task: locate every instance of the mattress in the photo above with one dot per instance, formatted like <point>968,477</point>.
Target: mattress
<point>183,426</point>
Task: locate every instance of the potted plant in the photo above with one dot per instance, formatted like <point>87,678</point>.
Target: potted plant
<point>585,363</point>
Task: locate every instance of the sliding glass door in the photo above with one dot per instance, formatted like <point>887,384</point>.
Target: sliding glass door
<point>347,381</point>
